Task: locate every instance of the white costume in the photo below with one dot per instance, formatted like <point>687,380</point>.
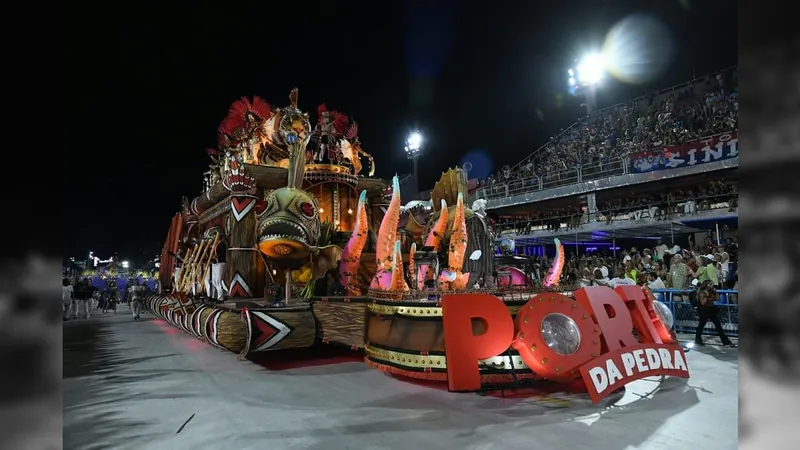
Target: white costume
<point>207,283</point>
<point>136,294</point>
<point>82,305</point>
<point>66,299</point>
<point>217,272</point>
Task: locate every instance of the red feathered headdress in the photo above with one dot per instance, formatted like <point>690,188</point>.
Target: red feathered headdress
<point>244,116</point>
<point>229,132</point>
<point>352,132</point>
<point>340,122</point>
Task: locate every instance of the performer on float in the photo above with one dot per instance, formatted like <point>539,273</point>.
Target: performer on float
<point>178,263</point>
<point>324,133</point>
<point>330,126</point>
<point>215,286</point>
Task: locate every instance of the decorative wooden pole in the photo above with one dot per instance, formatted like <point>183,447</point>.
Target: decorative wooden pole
<point>242,258</point>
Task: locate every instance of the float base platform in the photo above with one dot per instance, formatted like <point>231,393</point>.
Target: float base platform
<point>135,384</point>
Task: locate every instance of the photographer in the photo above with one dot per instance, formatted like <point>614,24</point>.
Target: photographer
<point>705,295</point>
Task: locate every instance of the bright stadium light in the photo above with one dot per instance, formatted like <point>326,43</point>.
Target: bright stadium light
<point>413,149</point>
<point>413,145</point>
<point>586,76</point>
<point>125,264</point>
<point>591,69</point>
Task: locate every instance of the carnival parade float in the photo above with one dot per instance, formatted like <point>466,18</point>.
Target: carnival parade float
<point>290,244</point>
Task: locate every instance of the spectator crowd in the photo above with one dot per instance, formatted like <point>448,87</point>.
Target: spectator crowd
<point>602,142</point>
<point>669,204</point>
<point>659,267</point>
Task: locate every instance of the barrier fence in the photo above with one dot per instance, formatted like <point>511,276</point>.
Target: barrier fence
<point>685,316</point>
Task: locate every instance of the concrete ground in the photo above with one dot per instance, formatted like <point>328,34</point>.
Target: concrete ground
<point>145,385</point>
<point>767,416</point>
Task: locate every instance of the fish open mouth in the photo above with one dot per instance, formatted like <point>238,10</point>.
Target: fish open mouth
<point>282,239</point>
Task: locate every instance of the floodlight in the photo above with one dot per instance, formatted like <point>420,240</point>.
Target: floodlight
<point>413,144</point>
<point>414,141</point>
<point>591,68</point>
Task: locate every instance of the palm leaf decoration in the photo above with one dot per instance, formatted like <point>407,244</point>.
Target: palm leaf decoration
<point>327,230</point>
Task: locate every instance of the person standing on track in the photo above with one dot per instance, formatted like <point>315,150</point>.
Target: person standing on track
<point>67,297</point>
<point>83,298</point>
<point>112,299</point>
<point>136,296</point>
<point>706,295</point>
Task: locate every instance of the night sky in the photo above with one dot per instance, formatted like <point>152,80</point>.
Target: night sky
<point>149,86</point>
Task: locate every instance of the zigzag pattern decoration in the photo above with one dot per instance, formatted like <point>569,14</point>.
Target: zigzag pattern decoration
<point>266,331</point>
<point>263,331</point>
<point>240,206</point>
<point>239,288</point>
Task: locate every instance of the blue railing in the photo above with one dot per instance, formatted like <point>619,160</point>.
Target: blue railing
<point>686,319</point>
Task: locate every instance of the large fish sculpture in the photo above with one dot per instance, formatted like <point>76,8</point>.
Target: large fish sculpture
<point>351,255</point>
<point>289,225</point>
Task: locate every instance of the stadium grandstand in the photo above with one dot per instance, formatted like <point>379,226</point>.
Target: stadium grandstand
<point>627,188</point>
<point>659,165</point>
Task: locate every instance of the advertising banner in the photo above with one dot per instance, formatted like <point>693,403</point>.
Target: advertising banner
<point>715,148</point>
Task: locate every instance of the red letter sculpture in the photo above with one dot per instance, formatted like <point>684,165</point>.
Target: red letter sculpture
<point>463,347</point>
<point>533,347</point>
<point>610,313</point>
<point>650,327</point>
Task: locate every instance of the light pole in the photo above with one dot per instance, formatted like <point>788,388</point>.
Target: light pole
<point>585,77</point>
<point>413,149</point>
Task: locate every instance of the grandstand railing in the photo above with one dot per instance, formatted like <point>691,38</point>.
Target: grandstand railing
<point>685,316</point>
<point>587,172</point>
<point>639,212</point>
<point>636,100</point>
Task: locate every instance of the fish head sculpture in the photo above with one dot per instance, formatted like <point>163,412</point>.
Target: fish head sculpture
<point>289,225</point>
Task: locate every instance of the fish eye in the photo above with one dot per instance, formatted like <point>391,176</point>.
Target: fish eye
<point>308,210</point>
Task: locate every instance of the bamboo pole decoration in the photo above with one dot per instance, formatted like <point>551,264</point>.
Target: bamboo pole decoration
<point>179,273</point>
<point>204,273</point>
<point>187,285</point>
<point>201,264</point>
<point>198,266</point>
<point>187,275</point>
<point>187,266</point>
